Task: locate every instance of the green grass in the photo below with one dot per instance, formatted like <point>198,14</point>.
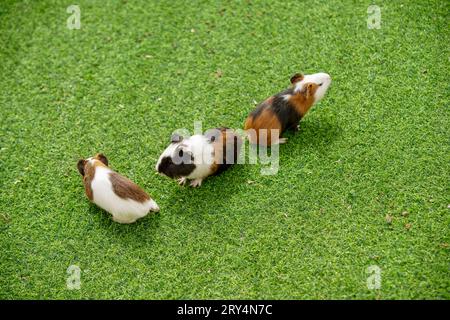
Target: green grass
<point>376,146</point>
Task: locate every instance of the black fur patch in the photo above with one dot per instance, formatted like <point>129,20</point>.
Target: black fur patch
<point>230,157</point>
<point>173,170</point>
<point>286,113</point>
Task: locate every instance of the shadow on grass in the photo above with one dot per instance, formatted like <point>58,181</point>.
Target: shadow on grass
<point>212,197</point>
<point>141,230</point>
<point>313,133</point>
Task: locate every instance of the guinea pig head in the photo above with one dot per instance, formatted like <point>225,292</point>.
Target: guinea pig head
<point>88,164</point>
<point>307,90</point>
<point>314,85</point>
<point>178,159</point>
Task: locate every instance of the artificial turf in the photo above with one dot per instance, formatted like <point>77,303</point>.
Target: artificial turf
<point>365,181</point>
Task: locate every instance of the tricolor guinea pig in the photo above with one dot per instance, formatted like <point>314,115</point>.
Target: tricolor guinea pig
<point>284,110</point>
<point>199,156</point>
<point>114,193</point>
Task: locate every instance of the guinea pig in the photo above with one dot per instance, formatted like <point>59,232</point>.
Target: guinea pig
<point>284,110</point>
<point>199,156</point>
<point>114,193</point>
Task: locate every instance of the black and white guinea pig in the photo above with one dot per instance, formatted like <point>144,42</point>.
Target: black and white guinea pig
<point>114,193</point>
<point>285,109</point>
<point>199,156</point>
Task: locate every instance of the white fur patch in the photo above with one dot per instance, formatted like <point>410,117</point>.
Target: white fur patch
<point>322,79</point>
<point>122,210</point>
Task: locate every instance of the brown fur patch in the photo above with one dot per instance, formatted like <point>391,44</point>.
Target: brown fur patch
<point>219,145</point>
<point>304,99</point>
<point>226,149</point>
<point>89,173</point>
<point>214,167</point>
<point>265,104</point>
<point>80,166</point>
<point>267,120</point>
<point>248,122</point>
<point>127,189</point>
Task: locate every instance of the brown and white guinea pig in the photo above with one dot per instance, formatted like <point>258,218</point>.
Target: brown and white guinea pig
<point>284,110</point>
<point>114,193</point>
<point>199,156</point>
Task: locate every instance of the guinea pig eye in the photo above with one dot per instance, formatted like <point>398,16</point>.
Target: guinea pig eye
<point>180,153</point>
<point>320,84</point>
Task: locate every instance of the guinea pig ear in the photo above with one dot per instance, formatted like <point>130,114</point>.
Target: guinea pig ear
<point>80,166</point>
<point>102,158</point>
<point>175,138</point>
<point>297,77</point>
